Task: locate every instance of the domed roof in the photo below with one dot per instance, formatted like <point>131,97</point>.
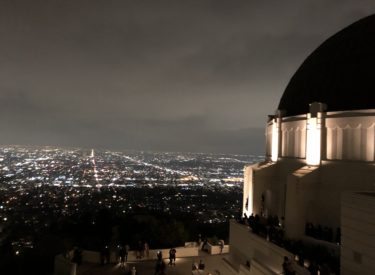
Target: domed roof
<point>340,73</point>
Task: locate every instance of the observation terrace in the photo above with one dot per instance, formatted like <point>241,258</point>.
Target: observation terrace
<point>214,261</point>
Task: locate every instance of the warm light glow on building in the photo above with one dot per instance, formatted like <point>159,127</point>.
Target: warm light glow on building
<point>248,191</point>
<point>275,141</point>
<point>313,141</point>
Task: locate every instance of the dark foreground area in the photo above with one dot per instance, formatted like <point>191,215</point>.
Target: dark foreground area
<point>97,229</point>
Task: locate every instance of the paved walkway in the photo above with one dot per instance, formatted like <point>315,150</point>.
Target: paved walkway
<point>214,265</point>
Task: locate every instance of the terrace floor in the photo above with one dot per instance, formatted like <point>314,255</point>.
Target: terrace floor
<point>214,264</point>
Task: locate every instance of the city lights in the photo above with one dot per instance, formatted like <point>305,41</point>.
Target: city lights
<point>66,185</point>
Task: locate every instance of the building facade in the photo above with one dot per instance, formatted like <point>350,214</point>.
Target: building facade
<point>320,144</point>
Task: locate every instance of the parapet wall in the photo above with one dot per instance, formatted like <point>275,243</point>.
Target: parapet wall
<point>265,257</point>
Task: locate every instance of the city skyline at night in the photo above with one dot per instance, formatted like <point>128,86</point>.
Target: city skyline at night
<point>81,196</point>
<point>237,134</point>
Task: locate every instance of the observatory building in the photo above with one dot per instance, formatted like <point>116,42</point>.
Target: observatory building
<point>320,159</point>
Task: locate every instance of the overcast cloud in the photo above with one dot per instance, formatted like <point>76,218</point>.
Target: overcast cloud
<point>173,75</point>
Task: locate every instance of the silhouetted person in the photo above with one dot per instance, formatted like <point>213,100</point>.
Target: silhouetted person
<point>77,256</point>
<point>204,244</point>
<point>301,258</point>
<point>221,243</point>
<point>282,222</point>
<point>201,265</point>
<point>160,266</point>
<point>256,224</point>
<point>172,256</point>
<point>146,249</point>
<point>157,267</point>
<point>338,235</point>
<point>287,267</point>
<point>126,248</point>
<point>159,255</point>
<point>102,256</point>
<point>122,256</point>
<point>139,250</point>
<point>244,218</point>
<point>276,221</point>
<point>251,220</point>
<point>313,268</point>
<point>107,254</point>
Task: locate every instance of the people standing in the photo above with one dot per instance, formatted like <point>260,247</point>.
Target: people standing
<point>205,243</point>
<point>160,267</point>
<point>122,256</point>
<point>102,256</point>
<point>287,267</point>
<point>139,250</point>
<point>77,256</point>
<point>107,255</point>
<point>127,248</point>
<point>172,256</point>
<point>221,243</point>
<point>201,265</point>
<point>159,255</point>
<point>146,249</point>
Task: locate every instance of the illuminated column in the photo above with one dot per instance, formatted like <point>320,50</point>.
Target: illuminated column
<point>276,128</point>
<point>275,141</point>
<point>247,206</point>
<point>314,133</point>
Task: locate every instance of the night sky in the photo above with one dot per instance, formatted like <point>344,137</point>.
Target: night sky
<point>198,76</point>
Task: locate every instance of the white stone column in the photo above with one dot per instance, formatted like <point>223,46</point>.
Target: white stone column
<point>315,123</point>
<point>247,203</point>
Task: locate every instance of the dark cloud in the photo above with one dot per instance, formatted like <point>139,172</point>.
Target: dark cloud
<point>162,75</point>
